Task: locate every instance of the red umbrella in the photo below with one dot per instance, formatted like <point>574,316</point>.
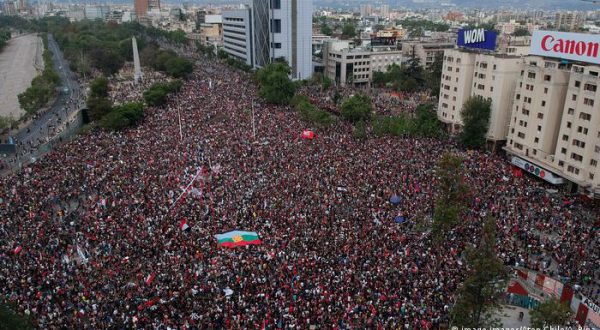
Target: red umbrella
<point>308,135</point>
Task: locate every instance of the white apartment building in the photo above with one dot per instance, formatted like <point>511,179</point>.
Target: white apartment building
<point>537,110</point>
<point>578,141</point>
<point>270,30</point>
<point>237,34</point>
<point>355,66</point>
<point>455,88</point>
<point>467,73</point>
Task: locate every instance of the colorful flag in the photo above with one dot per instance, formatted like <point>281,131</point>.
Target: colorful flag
<point>183,225</point>
<point>237,238</point>
<point>150,278</point>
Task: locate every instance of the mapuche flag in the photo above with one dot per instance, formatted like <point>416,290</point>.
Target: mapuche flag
<point>237,238</point>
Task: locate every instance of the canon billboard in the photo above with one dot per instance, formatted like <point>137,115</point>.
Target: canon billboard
<point>571,46</point>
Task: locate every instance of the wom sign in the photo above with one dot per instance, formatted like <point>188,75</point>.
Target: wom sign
<point>477,38</point>
<point>571,46</point>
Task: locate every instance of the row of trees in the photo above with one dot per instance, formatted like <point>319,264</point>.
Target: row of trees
<point>43,87</point>
<point>96,45</point>
<point>310,113</point>
<point>166,61</point>
<point>423,124</point>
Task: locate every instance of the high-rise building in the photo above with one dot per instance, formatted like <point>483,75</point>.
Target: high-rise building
<point>279,29</point>
<point>237,34</point>
<point>384,10</point>
<point>467,73</point>
<point>141,7</point>
<point>569,21</point>
<point>366,10</point>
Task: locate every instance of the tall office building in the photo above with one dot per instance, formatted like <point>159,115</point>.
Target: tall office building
<point>279,29</point>
<point>141,7</point>
<point>237,34</point>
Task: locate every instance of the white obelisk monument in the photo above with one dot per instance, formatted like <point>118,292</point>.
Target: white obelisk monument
<point>137,76</point>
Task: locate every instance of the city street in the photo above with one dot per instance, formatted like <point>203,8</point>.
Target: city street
<point>44,126</point>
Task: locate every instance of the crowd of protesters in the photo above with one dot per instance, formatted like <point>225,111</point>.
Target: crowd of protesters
<point>91,234</point>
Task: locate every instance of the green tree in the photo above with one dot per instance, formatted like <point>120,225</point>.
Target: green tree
<point>123,116</point>
<point>348,31</point>
<point>360,130</point>
<point>521,32</point>
<point>426,123</point>
<point>326,30</point>
<point>10,320</point>
<point>99,87</point>
<point>434,74</point>
<point>310,113</point>
<point>451,202</point>
<point>98,107</point>
<point>275,84</point>
<point>478,298</point>
<point>551,312</point>
<point>179,67</point>
<point>476,119</point>
<point>357,108</point>
<point>157,94</point>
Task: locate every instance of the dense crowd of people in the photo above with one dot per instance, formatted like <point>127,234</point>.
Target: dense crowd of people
<point>91,234</point>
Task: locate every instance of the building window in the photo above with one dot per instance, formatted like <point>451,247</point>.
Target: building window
<point>547,78</point>
<point>585,116</point>
<point>545,90</point>
<point>563,150</point>
<point>536,140</point>
<point>571,111</point>
<point>531,75</point>
<point>568,124</point>
<point>540,115</point>
<point>594,162</point>
<point>565,138</point>
<point>561,163</point>
<point>589,102</point>
<point>590,87</point>
<point>543,103</point>
<point>574,97</point>
<point>275,4</point>
<point>539,128</point>
<point>276,26</point>
<point>577,83</point>
<point>578,143</point>
<point>576,157</point>
<point>521,135</point>
<point>276,45</point>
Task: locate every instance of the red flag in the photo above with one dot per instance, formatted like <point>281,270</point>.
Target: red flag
<point>18,249</point>
<point>183,225</point>
<point>150,278</point>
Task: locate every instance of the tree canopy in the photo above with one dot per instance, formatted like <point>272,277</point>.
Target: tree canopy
<point>551,312</point>
<point>476,120</point>
<point>357,108</point>
<point>479,296</point>
<point>349,30</point>
<point>451,201</point>
<point>275,85</point>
